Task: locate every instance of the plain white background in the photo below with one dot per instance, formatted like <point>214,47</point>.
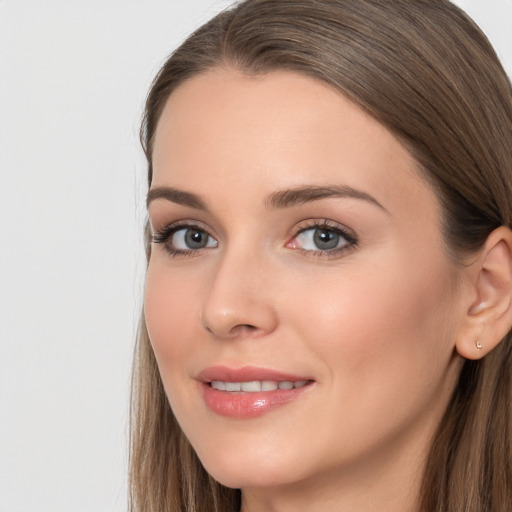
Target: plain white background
<point>73,78</point>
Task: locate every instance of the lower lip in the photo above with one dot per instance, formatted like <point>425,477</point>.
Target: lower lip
<point>233,404</point>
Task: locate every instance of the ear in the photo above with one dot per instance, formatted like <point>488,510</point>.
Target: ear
<point>489,316</point>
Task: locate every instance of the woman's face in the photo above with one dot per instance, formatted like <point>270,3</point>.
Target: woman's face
<point>296,246</point>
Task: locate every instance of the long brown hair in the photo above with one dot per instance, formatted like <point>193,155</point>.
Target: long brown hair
<point>424,70</point>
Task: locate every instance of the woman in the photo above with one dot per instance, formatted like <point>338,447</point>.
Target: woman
<point>329,285</point>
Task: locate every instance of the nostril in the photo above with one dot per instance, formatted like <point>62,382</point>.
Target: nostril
<point>243,329</point>
<point>239,330</point>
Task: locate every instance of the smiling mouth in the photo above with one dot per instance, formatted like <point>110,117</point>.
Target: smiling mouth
<point>250,391</point>
<point>257,386</point>
<point>246,399</point>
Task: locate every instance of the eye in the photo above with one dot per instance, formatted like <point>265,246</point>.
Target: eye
<point>184,240</point>
<point>322,238</point>
<point>193,238</point>
<point>319,239</point>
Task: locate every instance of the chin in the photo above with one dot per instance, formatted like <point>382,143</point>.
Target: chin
<point>246,472</point>
<point>246,479</point>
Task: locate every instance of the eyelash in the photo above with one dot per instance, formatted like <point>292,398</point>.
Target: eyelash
<point>327,225</point>
<point>163,237</point>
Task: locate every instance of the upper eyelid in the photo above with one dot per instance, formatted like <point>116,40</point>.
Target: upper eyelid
<point>323,223</point>
<point>181,224</point>
<point>299,227</point>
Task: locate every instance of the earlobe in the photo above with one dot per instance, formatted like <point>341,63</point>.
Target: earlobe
<point>489,316</point>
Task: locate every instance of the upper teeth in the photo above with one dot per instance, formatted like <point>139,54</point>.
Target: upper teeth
<point>257,385</point>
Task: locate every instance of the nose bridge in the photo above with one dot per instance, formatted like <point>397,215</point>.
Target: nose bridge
<point>237,302</point>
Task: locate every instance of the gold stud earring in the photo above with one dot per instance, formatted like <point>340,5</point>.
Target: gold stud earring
<point>478,344</point>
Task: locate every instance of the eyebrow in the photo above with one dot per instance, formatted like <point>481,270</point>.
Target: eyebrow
<point>277,200</point>
<point>176,196</point>
<point>307,194</point>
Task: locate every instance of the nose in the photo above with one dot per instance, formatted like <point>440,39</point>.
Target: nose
<point>239,302</point>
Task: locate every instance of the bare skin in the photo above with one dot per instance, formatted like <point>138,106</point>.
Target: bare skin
<point>351,288</point>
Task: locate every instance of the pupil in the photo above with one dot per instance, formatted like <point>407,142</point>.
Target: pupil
<point>195,239</point>
<point>325,239</point>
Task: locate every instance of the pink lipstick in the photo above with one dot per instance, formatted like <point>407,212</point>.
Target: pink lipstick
<point>249,392</point>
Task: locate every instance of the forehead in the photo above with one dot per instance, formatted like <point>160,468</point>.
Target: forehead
<point>278,130</point>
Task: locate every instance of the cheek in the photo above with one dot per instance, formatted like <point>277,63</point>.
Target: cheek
<point>384,342</point>
<point>383,325</point>
<point>171,311</point>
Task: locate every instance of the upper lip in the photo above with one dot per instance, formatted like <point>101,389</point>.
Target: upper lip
<point>246,374</point>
